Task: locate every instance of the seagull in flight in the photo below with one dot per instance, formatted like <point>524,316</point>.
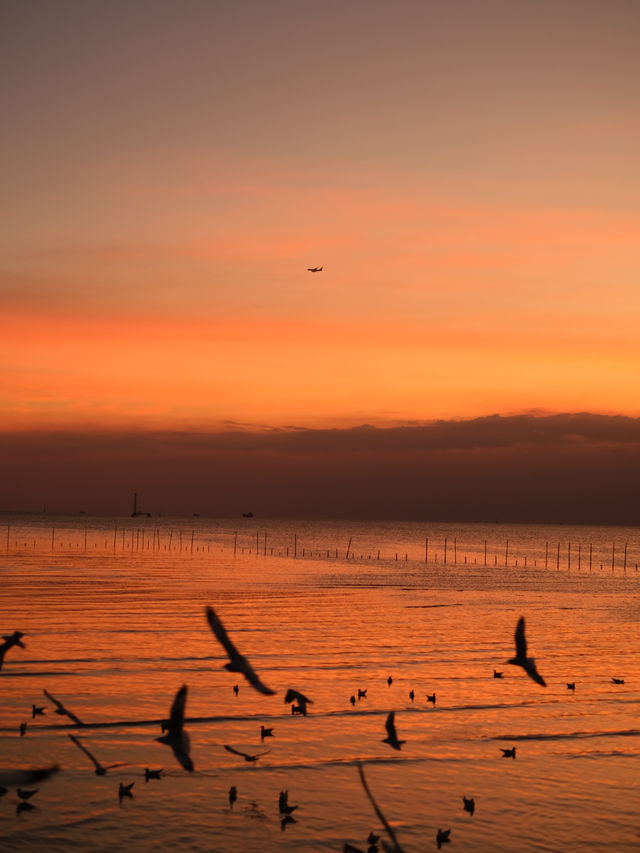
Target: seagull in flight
<point>469,804</point>
<point>60,709</point>
<point>301,700</point>
<point>176,737</point>
<point>521,659</point>
<point>314,269</point>
<point>237,662</point>
<point>26,777</point>
<point>101,770</point>
<point>10,640</point>
<point>245,755</point>
<point>392,737</point>
<point>283,803</point>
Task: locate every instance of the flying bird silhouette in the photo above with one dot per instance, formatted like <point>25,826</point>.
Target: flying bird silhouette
<point>431,698</point>
<point>176,737</point>
<point>37,711</point>
<point>101,770</point>
<point>617,680</point>
<point>237,662</point>
<point>10,640</point>
<point>392,737</point>
<point>245,755</point>
<point>299,698</point>
<point>265,733</point>
<point>469,804</point>
<point>60,709</point>
<point>26,777</point>
<point>521,659</point>
<point>497,674</point>
<point>283,803</point>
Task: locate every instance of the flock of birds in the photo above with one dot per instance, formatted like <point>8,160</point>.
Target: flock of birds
<point>175,736</point>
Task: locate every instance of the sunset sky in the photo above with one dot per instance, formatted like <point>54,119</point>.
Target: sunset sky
<point>466,173</point>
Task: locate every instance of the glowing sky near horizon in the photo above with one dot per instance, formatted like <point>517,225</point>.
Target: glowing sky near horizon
<point>466,173</point>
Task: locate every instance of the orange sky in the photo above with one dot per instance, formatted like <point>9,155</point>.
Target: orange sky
<point>465,173</point>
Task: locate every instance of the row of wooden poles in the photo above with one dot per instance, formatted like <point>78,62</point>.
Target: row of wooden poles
<point>134,539</point>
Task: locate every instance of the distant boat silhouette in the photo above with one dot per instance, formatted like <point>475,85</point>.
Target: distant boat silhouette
<point>137,512</point>
<point>247,515</point>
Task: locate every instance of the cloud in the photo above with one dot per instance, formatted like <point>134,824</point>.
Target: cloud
<point>565,467</point>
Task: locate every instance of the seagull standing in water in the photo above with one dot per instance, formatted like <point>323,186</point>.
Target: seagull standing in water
<point>176,737</point>
<point>521,659</point>
<point>392,737</point>
<point>237,662</point>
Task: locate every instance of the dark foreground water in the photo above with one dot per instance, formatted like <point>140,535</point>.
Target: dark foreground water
<point>113,612</point>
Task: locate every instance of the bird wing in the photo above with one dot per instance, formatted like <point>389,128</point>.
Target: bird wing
<point>390,725</point>
<point>521,642</point>
<point>81,746</point>
<point>239,662</point>
<point>235,751</point>
<point>176,715</point>
<point>26,777</point>
<point>533,673</point>
<point>58,705</point>
<point>221,635</point>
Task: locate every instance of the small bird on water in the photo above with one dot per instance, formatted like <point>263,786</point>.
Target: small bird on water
<point>469,804</point>
<point>521,659</point>
<point>509,753</point>
<point>265,733</point>
<point>233,795</point>
<point>125,790</point>
<point>152,774</point>
<point>443,837</point>
<point>431,698</point>
<point>390,681</point>
<point>571,685</point>
<point>37,711</point>
<point>497,674</point>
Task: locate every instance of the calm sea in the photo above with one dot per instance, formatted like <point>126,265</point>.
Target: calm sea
<point>113,612</point>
